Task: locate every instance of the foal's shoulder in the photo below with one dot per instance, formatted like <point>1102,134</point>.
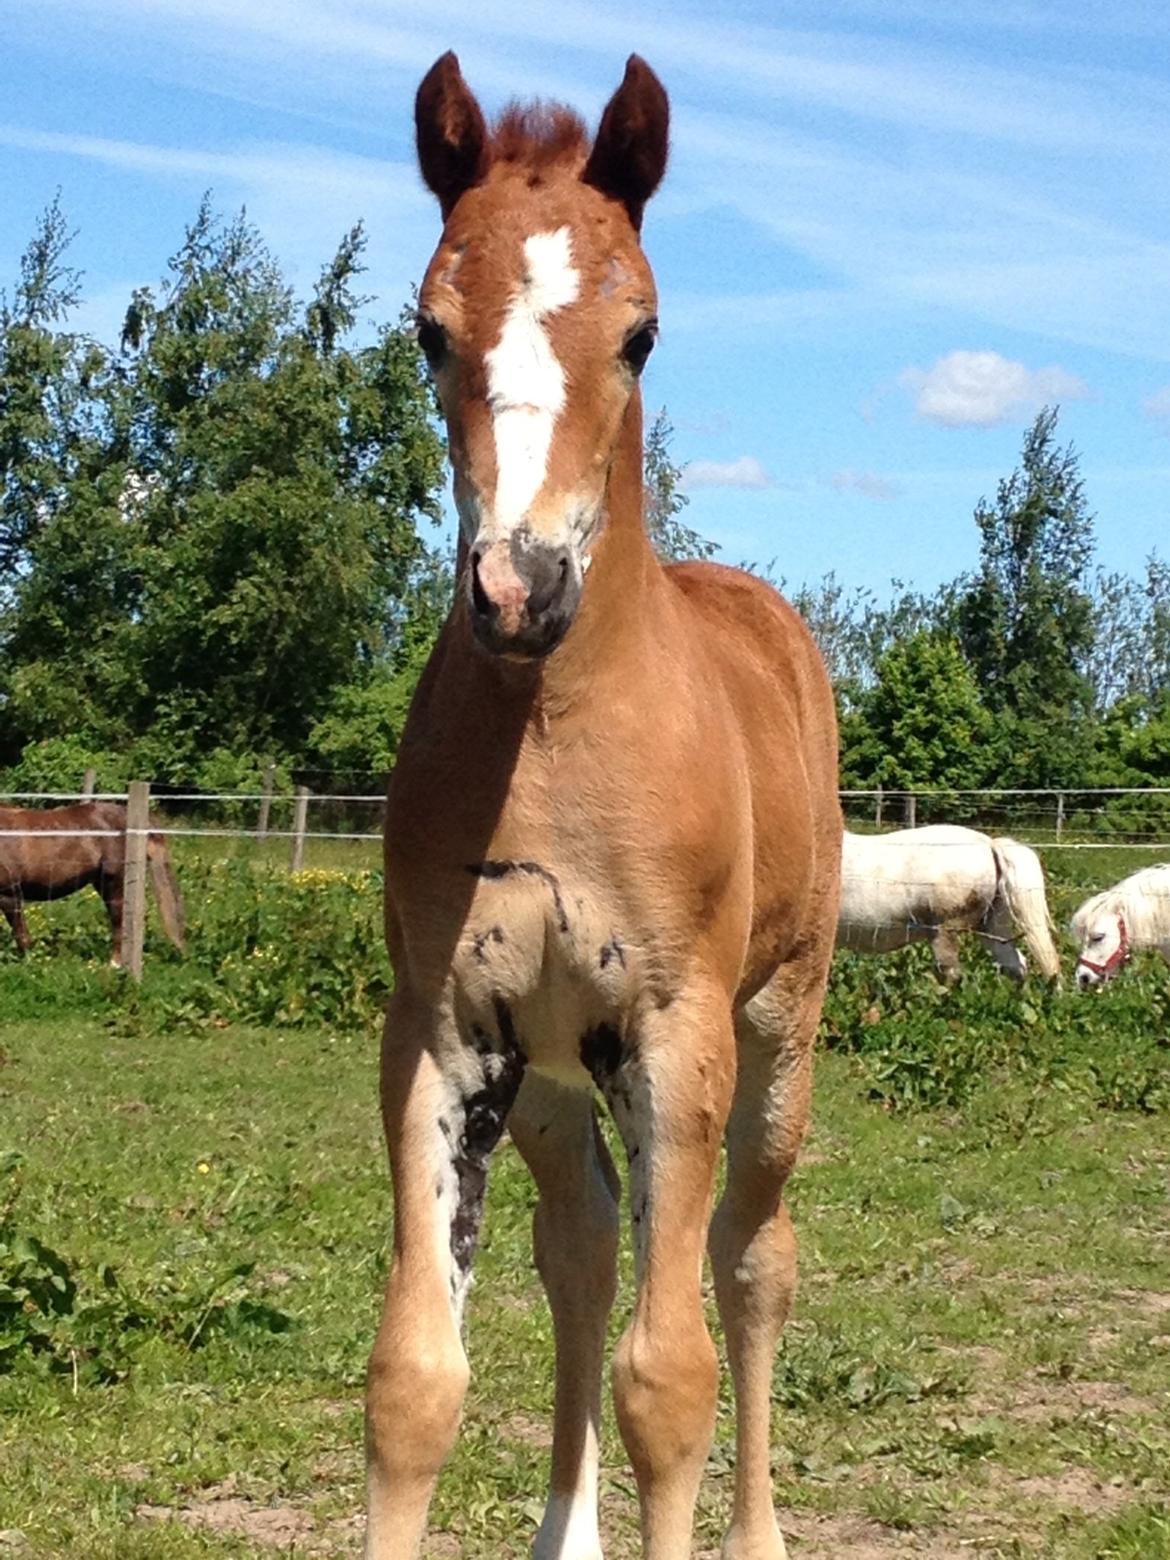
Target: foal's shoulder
<point>741,602</point>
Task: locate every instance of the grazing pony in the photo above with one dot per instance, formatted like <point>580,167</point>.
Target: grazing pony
<point>1134,913</point>
<point>930,884</point>
<point>612,861</point>
<point>47,853</point>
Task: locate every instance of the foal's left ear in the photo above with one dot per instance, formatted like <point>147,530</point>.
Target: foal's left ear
<point>453,150</point>
<point>629,155</point>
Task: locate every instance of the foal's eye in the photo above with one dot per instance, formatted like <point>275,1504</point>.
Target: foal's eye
<point>1097,937</point>
<point>639,346</point>
<point>432,340</point>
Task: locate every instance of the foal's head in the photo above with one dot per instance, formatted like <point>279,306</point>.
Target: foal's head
<point>536,315</point>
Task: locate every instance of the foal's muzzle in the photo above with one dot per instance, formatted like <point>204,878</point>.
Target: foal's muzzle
<point>523,594</point>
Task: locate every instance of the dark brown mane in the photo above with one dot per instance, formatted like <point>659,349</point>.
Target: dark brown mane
<point>539,134</point>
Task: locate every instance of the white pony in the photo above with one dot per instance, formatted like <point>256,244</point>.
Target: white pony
<point>1134,913</point>
<point>930,884</point>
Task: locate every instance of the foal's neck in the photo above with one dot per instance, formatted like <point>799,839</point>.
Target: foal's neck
<point>611,622</point>
<point>609,633</point>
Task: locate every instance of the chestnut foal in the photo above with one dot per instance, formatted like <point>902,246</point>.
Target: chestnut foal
<point>612,859</point>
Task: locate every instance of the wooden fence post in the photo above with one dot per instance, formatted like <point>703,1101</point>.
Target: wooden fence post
<point>134,880</point>
<point>1059,813</point>
<point>911,810</point>
<point>300,821</point>
<point>88,784</point>
<point>877,811</point>
<point>265,801</point>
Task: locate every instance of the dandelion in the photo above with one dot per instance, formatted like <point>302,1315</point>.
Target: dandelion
<point>203,1167</point>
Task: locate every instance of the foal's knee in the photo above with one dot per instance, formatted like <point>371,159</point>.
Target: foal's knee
<point>414,1397</point>
<point>665,1383</point>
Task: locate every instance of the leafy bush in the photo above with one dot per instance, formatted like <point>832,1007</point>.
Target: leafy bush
<point>59,764</point>
<point>923,1046</point>
<point>272,947</point>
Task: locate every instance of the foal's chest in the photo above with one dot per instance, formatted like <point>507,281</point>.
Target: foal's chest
<point>545,957</point>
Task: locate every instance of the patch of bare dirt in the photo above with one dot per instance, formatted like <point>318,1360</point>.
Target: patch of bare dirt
<point>530,1429</point>
<point>813,1537</point>
<point>1038,1399</point>
<point>1075,1490</point>
<point>281,1526</point>
<point>1150,1301</point>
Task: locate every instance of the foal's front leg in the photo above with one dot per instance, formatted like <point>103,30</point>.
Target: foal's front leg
<point>443,1107</point>
<point>669,1086</point>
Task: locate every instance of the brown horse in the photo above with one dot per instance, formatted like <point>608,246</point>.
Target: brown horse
<point>47,853</point>
<point>612,859</point>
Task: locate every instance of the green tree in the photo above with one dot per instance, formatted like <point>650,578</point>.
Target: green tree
<point>248,543</point>
<point>665,500</point>
<point>46,375</point>
<point>922,723</point>
<point>1026,618</point>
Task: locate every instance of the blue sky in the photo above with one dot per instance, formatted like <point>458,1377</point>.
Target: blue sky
<point>890,231</point>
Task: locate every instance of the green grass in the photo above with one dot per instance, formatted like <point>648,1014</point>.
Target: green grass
<point>980,1356</point>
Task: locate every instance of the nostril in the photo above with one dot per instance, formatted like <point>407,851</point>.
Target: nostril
<point>479,599</point>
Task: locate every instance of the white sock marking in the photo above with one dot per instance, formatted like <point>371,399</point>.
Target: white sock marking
<point>526,384</point>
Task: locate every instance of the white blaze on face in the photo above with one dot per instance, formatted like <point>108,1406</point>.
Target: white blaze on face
<point>526,384</point>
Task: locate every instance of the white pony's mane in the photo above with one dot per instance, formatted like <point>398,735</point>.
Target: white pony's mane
<point>1143,898</point>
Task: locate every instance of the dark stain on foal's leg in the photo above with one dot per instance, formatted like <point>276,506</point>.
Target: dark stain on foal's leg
<point>479,946</point>
<point>485,1109</point>
<point>612,950</point>
<point>601,1053</point>
<point>503,869</point>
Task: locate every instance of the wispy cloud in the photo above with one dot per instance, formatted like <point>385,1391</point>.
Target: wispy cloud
<point>983,389</point>
<point>867,483</point>
<point>359,178</point>
<point>745,472</point>
<point>302,197</point>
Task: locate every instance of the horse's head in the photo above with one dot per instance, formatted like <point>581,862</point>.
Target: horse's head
<point>1104,941</point>
<point>536,315</point>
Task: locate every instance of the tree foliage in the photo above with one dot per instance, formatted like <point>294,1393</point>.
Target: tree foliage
<point>665,499</point>
<point>1026,619</point>
<point>214,537</point>
<point>922,723</point>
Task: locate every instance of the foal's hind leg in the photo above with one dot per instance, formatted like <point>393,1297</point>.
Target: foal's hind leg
<point>668,1083</point>
<point>753,1248</point>
<point>575,1235</point>
<point>443,1107</point>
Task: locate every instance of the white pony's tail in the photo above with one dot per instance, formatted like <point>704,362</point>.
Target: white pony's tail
<point>1022,885</point>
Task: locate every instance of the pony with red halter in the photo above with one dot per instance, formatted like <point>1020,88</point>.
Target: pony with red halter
<point>1113,925</point>
<point>612,862</point>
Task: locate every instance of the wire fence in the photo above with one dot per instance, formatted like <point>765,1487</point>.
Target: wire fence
<point>345,826</point>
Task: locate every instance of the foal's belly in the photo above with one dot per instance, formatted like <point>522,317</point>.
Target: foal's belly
<point>544,962</point>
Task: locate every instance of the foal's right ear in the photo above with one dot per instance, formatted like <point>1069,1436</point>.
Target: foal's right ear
<point>452,136</point>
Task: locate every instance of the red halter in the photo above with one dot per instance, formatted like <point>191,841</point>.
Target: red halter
<point>1117,959</point>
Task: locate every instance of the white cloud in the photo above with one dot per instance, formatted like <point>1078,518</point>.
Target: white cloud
<point>1157,406</point>
<point>983,389</point>
<point>746,472</point>
<point>867,483</point>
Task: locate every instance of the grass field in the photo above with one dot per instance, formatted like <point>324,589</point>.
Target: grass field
<point>194,1219</point>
